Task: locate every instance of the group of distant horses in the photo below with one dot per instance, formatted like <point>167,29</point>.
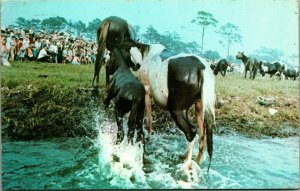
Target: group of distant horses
<point>252,65</point>
<point>174,81</point>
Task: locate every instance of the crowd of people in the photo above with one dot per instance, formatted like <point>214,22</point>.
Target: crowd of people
<point>55,47</point>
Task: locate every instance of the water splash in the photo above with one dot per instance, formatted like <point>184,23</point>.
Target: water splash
<point>121,165</point>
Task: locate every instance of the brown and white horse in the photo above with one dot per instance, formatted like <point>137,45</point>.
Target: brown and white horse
<point>176,83</point>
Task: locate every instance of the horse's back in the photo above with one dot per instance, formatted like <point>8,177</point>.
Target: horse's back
<point>184,73</point>
<point>127,85</point>
<point>117,31</point>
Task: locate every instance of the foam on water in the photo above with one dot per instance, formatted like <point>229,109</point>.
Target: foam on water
<point>121,165</point>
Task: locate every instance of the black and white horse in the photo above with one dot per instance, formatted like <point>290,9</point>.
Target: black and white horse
<point>129,96</point>
<point>111,34</point>
<point>272,69</point>
<point>251,65</point>
<point>176,83</point>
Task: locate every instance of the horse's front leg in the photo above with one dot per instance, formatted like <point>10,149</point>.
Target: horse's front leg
<point>119,119</point>
<point>199,117</point>
<point>245,73</point>
<point>108,98</point>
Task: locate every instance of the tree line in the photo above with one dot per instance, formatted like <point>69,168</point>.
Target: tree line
<point>229,32</point>
<point>171,40</point>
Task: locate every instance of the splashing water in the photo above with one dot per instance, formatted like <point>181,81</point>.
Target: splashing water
<point>81,163</point>
<point>122,163</point>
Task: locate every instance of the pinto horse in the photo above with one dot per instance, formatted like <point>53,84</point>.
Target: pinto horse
<point>111,34</point>
<point>129,96</point>
<point>176,83</point>
<point>251,65</point>
<point>272,69</point>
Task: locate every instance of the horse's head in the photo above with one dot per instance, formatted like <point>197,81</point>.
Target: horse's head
<point>240,55</point>
<point>136,51</point>
<point>130,59</point>
<point>136,55</point>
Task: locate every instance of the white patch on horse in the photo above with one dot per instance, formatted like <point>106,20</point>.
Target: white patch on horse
<point>265,68</point>
<point>157,72</point>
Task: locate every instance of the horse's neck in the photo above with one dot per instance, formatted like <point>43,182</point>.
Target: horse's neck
<point>245,59</point>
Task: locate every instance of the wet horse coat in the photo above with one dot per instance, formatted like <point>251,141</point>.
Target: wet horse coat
<point>177,83</point>
<point>111,34</point>
<point>129,96</point>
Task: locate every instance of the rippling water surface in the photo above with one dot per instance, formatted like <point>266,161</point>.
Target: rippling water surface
<point>81,163</point>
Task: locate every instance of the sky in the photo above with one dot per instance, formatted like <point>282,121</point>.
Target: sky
<point>268,23</point>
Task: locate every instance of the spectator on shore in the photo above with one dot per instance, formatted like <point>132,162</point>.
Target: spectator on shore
<point>43,55</point>
<point>4,53</point>
<point>25,45</point>
<point>30,53</point>
<point>12,49</point>
<point>22,50</point>
<point>53,49</point>
<point>76,60</point>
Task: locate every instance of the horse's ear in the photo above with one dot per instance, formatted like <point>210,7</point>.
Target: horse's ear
<point>243,52</point>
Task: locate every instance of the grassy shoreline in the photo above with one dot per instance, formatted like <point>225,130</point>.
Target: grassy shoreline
<point>41,100</point>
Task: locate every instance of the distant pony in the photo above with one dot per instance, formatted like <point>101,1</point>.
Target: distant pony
<point>221,67</point>
<point>251,65</point>
<point>273,69</point>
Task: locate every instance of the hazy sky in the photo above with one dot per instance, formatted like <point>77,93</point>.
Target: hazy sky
<point>269,23</point>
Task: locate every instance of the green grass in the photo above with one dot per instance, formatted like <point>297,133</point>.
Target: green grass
<point>242,111</point>
<point>61,75</point>
<point>237,85</point>
<point>51,106</point>
<point>35,106</point>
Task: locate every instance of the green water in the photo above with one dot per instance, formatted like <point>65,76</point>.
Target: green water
<point>81,163</point>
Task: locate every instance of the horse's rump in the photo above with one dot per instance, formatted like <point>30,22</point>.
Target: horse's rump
<point>184,80</point>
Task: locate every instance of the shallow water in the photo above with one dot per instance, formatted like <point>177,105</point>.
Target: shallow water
<point>81,163</point>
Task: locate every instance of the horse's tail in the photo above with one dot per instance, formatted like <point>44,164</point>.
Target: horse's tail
<point>208,101</point>
<point>101,39</point>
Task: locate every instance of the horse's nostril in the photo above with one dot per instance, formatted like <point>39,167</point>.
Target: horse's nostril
<point>138,66</point>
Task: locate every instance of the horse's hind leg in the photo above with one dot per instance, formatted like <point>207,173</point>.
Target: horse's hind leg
<point>199,117</point>
<point>189,131</point>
